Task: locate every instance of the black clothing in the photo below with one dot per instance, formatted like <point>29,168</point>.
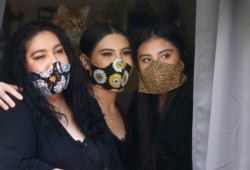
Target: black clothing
<point>25,143</point>
<point>125,146</point>
<point>170,132</point>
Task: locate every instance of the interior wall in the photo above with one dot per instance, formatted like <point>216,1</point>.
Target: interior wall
<point>174,11</point>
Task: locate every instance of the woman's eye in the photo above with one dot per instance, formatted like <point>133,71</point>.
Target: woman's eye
<point>60,51</point>
<point>165,56</point>
<point>107,54</point>
<point>126,53</point>
<point>146,60</point>
<point>39,57</point>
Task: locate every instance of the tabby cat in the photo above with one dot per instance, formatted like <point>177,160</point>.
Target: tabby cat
<point>72,21</point>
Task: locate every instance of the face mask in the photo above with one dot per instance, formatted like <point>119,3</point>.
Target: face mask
<point>52,80</point>
<point>160,77</point>
<point>112,77</point>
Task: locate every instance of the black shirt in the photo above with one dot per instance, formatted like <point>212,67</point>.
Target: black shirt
<point>25,144</point>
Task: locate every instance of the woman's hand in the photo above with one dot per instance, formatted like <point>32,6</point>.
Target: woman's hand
<point>5,91</point>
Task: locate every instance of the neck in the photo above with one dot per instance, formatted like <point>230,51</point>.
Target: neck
<point>106,100</point>
<point>59,103</point>
<point>56,100</point>
<point>106,97</point>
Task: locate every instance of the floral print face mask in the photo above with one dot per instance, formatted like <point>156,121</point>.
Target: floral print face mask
<point>112,77</point>
<point>52,80</point>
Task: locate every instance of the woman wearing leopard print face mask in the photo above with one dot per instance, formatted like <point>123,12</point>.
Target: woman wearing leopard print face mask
<point>161,110</point>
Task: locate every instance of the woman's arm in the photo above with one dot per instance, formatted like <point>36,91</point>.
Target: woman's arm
<point>5,90</point>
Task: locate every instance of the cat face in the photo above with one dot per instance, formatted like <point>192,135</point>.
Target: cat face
<point>72,21</point>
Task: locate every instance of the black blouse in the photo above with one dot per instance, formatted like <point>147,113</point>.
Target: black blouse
<point>125,146</point>
<point>26,144</point>
<point>170,131</point>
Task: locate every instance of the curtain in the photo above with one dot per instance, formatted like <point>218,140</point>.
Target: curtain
<point>221,122</point>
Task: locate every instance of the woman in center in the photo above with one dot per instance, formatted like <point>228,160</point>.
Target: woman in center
<point>106,53</point>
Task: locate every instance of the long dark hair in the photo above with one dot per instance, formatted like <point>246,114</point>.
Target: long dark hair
<point>93,35</point>
<point>78,94</point>
<point>143,112</point>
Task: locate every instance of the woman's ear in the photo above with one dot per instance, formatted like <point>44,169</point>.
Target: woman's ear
<point>85,61</point>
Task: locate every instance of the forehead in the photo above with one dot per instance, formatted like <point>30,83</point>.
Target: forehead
<point>42,40</point>
<point>155,44</point>
<point>112,40</point>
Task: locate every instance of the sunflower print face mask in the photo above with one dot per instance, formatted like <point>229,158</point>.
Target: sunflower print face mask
<point>113,77</point>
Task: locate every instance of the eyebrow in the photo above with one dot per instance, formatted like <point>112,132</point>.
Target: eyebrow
<point>166,50</point>
<point>37,51</point>
<point>105,49</point>
<point>143,55</point>
<point>42,50</point>
<point>147,55</point>
<point>109,49</point>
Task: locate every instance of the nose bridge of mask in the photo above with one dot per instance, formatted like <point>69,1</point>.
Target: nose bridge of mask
<point>155,64</point>
<point>120,63</point>
<point>116,61</point>
<point>46,73</point>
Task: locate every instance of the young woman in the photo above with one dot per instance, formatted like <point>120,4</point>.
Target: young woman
<point>106,54</point>
<point>161,110</point>
<point>58,124</point>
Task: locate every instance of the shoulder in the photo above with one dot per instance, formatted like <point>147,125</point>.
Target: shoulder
<point>21,112</point>
<point>17,126</point>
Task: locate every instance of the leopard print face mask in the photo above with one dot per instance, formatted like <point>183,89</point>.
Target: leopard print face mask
<point>160,77</point>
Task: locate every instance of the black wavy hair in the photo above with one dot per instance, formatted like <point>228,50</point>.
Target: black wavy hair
<point>78,93</point>
<point>92,36</point>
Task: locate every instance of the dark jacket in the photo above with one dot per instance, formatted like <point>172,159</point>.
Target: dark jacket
<point>125,146</point>
<point>26,144</point>
<point>170,134</point>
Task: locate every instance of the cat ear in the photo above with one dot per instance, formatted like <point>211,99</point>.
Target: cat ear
<point>85,61</point>
<point>85,11</point>
<point>62,10</point>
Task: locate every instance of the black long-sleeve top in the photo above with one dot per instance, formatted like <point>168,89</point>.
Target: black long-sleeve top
<point>125,146</point>
<point>170,132</point>
<point>26,144</point>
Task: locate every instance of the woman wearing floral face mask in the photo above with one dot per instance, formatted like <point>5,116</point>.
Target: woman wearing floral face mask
<point>106,54</point>
<point>161,110</point>
<point>58,124</point>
